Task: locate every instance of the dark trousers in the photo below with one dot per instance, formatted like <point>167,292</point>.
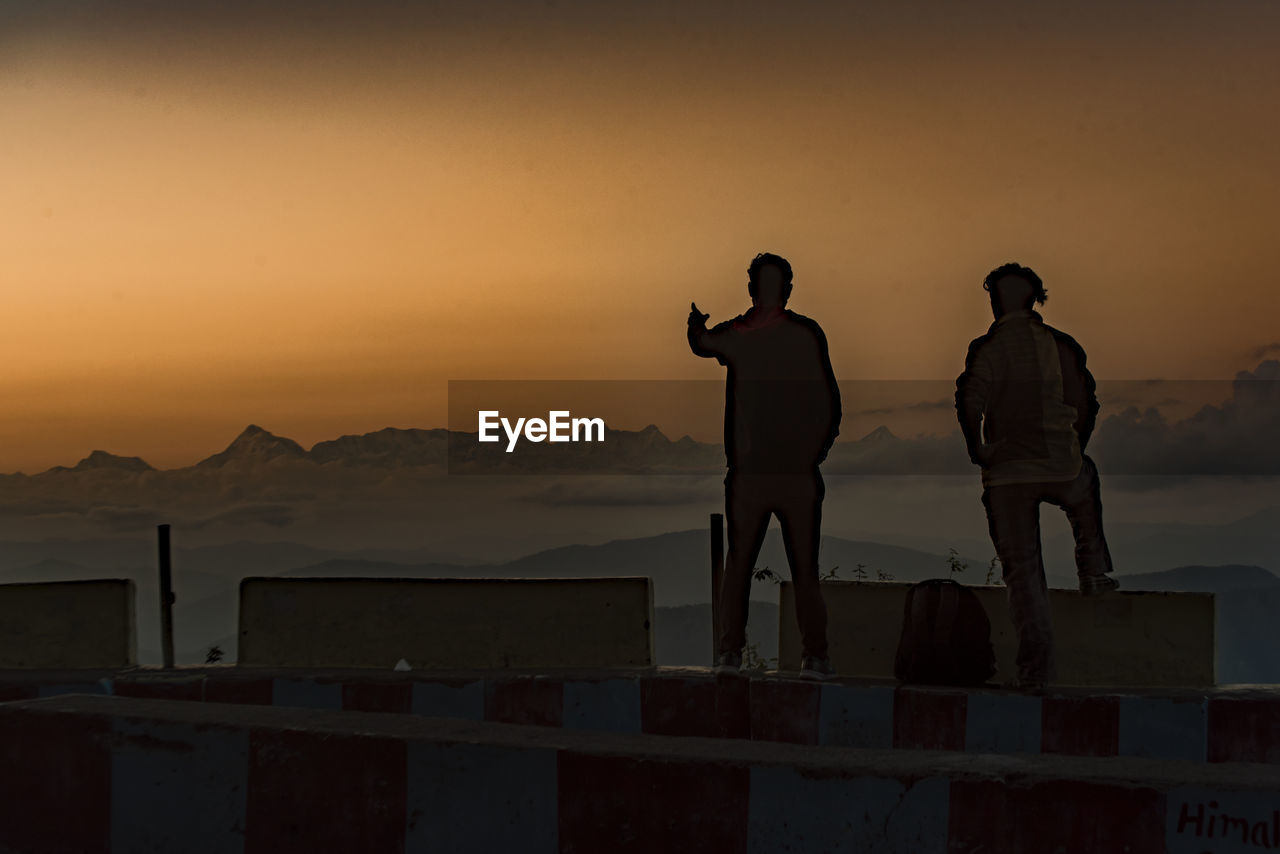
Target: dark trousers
<point>1013,518</point>
<point>750,499</point>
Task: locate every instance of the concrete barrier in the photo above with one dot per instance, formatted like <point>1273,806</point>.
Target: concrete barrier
<point>446,622</point>
<point>1131,639</point>
<point>1240,724</point>
<point>92,774</point>
<point>68,624</point>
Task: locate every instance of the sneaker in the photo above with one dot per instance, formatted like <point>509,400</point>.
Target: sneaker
<point>1026,686</point>
<point>728,661</point>
<point>812,667</point>
<point>1095,585</point>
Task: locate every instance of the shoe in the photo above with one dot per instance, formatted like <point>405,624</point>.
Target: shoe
<point>812,667</point>
<point>1026,685</point>
<point>727,662</point>
<point>1096,585</point>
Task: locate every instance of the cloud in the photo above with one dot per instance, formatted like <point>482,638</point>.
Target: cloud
<point>1265,350</point>
<point>1237,437</point>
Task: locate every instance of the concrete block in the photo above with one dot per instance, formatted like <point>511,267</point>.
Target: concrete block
<point>1244,729</point>
<point>1129,639</point>
<point>449,699</point>
<point>609,804</point>
<point>929,718</point>
<point>533,700</point>
<point>1002,723</point>
<point>306,693</point>
<point>1163,728</point>
<point>68,624</point>
<point>785,710</point>
<point>158,804</point>
<point>791,811</point>
<point>444,622</point>
<point>323,791</point>
<point>605,704</point>
<point>853,715</point>
<point>481,798</point>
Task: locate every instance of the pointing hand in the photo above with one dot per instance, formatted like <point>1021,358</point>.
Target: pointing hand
<point>696,318</point>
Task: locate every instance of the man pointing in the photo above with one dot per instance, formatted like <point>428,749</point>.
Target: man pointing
<point>782,414</point>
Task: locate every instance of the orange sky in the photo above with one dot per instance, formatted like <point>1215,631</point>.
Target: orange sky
<point>312,217</point>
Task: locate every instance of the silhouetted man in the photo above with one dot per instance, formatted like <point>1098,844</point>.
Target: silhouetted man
<point>1026,386</point>
<point>782,414</point>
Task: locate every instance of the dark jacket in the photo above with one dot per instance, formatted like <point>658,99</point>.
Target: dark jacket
<point>1036,399</point>
<point>782,402</point>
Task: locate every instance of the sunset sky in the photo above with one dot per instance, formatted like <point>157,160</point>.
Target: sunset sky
<point>312,216</point>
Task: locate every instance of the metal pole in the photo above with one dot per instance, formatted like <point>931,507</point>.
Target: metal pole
<point>166,599</point>
<point>717,575</point>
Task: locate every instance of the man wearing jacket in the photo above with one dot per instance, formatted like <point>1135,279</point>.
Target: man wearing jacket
<point>782,414</point>
<point>1027,408</point>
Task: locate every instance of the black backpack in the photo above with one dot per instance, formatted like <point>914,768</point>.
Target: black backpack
<point>946,636</point>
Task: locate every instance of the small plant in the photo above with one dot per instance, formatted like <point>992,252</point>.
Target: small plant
<point>752,660</point>
<point>213,654</point>
<point>830,574</point>
<point>762,573</point>
<point>992,578</point>
<point>881,575</point>
<point>954,562</point>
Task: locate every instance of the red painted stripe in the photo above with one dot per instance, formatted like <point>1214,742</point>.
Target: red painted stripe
<point>785,710</point>
<point>226,689</point>
<point>622,804</point>
<point>1080,726</point>
<point>160,689</point>
<point>1244,730</point>
<point>715,708</point>
<point>929,719</point>
<point>1054,817</point>
<point>524,700</point>
<point>377,697</point>
<point>55,783</point>
<point>324,792</point>
<point>18,691</point>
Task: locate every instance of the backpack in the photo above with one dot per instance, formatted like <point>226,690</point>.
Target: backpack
<point>946,636</point>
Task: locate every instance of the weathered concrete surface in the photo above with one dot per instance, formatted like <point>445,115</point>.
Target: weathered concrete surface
<point>1238,724</point>
<point>1125,639</point>
<point>442,622</point>
<point>81,624</point>
<point>86,774</point>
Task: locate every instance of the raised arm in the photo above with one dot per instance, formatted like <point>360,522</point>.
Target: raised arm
<point>708,342</point>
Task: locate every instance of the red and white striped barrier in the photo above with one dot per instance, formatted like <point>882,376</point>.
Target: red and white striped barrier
<point>1233,725</point>
<point>97,773</point>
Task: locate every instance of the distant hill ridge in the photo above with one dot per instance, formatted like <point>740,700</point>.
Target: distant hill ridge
<point>647,449</point>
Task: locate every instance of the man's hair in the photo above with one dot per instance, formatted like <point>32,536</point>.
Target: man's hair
<point>1038,293</point>
<point>753,272</point>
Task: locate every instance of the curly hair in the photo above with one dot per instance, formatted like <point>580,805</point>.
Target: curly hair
<point>1038,292</point>
<point>784,267</point>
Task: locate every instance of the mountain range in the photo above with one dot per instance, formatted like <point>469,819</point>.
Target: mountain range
<point>645,451</point>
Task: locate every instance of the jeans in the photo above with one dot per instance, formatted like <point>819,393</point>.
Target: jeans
<point>1013,518</point>
<point>796,499</point>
